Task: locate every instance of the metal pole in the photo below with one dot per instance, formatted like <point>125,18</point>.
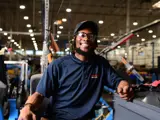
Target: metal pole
<point>128,26</point>
<point>45,11</point>
<point>152,55</point>
<point>133,55</point>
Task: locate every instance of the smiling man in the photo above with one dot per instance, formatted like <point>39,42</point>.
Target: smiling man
<point>76,81</point>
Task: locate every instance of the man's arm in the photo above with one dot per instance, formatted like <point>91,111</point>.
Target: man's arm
<point>34,100</point>
<point>32,104</point>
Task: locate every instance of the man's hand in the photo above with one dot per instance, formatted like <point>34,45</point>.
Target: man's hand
<point>26,114</point>
<point>124,90</point>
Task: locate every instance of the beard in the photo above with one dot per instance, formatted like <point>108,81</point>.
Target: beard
<point>90,52</point>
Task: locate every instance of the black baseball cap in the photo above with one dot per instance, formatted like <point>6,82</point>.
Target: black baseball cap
<point>87,24</point>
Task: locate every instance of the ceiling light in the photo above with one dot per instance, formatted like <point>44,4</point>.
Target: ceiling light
<point>59,32</point>
<point>33,38</point>
<point>1,29</point>
<point>36,48</point>
<point>31,34</point>
<point>98,41</point>
<point>60,27</point>
<point>55,23</point>
<point>12,40</point>
<point>22,7</point>
<point>57,36</point>
<point>156,5</point>
<point>119,46</point>
<point>22,49</point>
<point>100,21</point>
<point>34,41</point>
<point>112,34</point>
<point>5,33</point>
<point>26,17</point>
<point>28,25</point>
<point>9,37</point>
<point>64,19</point>
<point>137,35</point>
<point>154,36</point>
<point>150,31</point>
<point>68,10</point>
<point>30,30</point>
<point>19,47</point>
<point>15,43</point>
<point>142,39</point>
<point>135,23</point>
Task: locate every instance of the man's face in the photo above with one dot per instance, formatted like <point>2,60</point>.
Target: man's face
<point>85,41</point>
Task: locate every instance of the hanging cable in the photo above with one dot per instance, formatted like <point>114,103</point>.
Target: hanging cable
<point>57,11</point>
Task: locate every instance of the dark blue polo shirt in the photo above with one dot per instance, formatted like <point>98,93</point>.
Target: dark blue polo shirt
<point>76,86</point>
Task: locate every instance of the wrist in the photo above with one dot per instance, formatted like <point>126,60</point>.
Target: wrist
<point>29,106</point>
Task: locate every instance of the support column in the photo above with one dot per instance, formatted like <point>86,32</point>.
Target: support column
<point>128,26</point>
<point>45,11</point>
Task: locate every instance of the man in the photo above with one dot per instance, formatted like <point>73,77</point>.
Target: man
<point>76,81</point>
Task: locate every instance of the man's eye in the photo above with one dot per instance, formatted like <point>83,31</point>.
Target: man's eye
<point>83,35</point>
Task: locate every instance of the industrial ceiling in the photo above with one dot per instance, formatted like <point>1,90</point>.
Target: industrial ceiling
<point>116,15</point>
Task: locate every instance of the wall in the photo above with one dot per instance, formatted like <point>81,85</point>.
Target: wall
<point>139,54</point>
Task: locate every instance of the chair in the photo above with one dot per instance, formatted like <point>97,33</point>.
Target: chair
<point>46,102</point>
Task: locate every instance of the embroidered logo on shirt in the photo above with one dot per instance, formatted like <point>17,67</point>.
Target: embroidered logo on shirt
<point>94,76</point>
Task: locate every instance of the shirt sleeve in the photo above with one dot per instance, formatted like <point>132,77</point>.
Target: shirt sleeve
<point>46,86</point>
<point>111,78</point>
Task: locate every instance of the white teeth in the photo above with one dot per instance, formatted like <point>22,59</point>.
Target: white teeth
<point>85,45</point>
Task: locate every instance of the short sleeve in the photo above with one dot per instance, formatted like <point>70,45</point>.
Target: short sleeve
<point>46,86</point>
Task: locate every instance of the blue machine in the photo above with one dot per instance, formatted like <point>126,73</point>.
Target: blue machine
<point>13,110</point>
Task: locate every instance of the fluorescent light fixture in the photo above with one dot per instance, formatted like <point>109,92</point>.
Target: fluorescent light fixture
<point>26,17</point>
<point>112,34</point>
<point>154,36</point>
<point>22,6</point>
<point>60,27</point>
<point>5,33</point>
<point>100,21</point>
<point>1,29</point>
<point>28,25</point>
<point>150,31</point>
<point>59,32</point>
<point>68,10</point>
<point>64,19</point>
<point>135,23</point>
<point>142,39</point>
